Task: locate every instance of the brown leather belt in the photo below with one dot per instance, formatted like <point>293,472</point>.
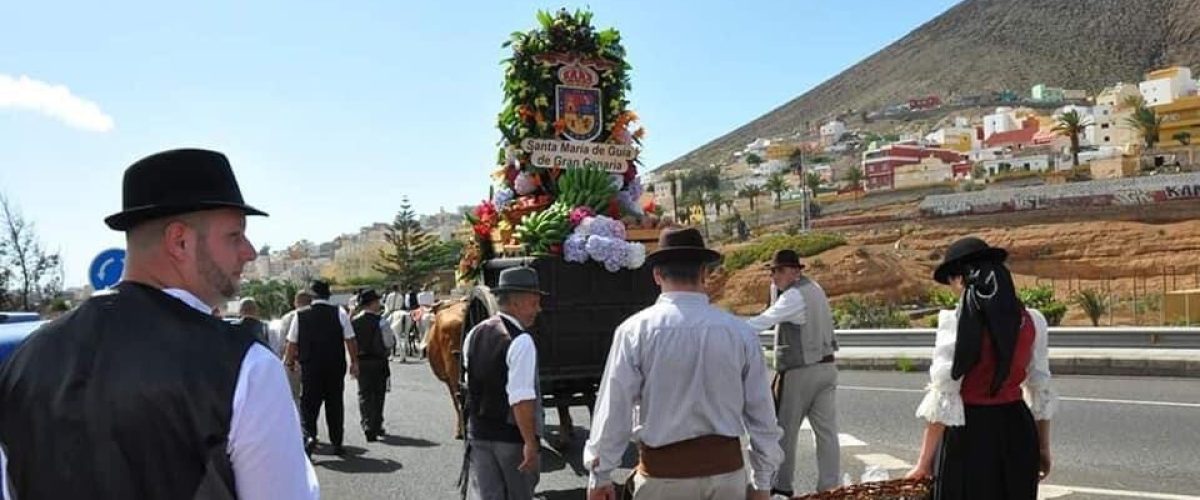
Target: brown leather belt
<point>697,457</point>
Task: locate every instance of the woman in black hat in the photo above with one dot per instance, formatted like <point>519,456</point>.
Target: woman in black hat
<point>989,403</point>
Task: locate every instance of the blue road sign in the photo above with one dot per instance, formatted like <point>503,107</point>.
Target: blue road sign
<point>106,268</point>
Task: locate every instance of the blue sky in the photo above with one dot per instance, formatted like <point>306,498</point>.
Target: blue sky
<point>331,113</point>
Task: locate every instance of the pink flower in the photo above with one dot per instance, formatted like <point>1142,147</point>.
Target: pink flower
<point>580,213</point>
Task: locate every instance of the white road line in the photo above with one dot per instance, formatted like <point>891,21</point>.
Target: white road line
<point>884,461</point>
<point>844,440</point>
<point>1171,404</point>
<point>1119,493</point>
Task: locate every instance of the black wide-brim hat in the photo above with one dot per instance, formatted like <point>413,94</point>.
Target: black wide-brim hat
<point>682,245</point>
<point>367,296</point>
<point>177,182</point>
<point>320,289</point>
<point>963,251</point>
<point>784,258</point>
<point>518,280</point>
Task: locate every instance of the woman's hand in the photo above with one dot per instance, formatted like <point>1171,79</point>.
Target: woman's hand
<point>1044,465</point>
<point>921,471</point>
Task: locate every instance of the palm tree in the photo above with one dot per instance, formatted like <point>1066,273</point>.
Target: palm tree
<point>813,181</point>
<point>778,185</point>
<point>854,176</point>
<point>752,192</point>
<point>1143,120</point>
<point>716,199</point>
<point>1070,125</point>
<point>1184,138</point>
<point>1093,303</point>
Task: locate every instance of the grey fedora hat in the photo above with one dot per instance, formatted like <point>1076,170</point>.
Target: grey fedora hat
<point>518,280</point>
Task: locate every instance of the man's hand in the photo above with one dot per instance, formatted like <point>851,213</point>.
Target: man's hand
<point>753,494</point>
<point>606,492</point>
<point>354,369</point>
<point>529,462</point>
<point>1044,465</point>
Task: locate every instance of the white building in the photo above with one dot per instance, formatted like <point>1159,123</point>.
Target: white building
<point>758,148</point>
<point>831,132</point>
<point>1036,163</point>
<point>1003,120</point>
<point>1112,115</point>
<point>1166,85</point>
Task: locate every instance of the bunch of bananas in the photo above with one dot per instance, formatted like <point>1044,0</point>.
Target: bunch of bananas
<point>539,230</point>
<point>590,187</point>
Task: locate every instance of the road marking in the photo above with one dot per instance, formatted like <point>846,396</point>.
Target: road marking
<point>884,461</point>
<point>1115,493</point>
<point>1171,404</point>
<point>1047,491</point>
<point>844,440</point>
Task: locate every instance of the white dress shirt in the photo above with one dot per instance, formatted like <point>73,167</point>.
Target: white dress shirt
<point>521,359</point>
<point>265,443</point>
<point>788,307</point>
<point>678,370</point>
<point>943,402</point>
<point>293,332</point>
<point>279,338</point>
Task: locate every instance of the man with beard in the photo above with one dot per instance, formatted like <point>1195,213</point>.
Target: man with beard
<point>319,339</point>
<point>148,395</point>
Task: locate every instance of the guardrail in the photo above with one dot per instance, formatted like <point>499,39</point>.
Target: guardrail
<point>1101,337</point>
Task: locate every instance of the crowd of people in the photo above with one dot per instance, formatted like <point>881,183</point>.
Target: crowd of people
<point>152,397</point>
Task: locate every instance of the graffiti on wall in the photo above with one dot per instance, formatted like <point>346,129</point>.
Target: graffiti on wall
<point>1127,192</point>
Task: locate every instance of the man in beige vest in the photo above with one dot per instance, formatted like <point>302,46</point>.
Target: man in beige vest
<point>806,378</point>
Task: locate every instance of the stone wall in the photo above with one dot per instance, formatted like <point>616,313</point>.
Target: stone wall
<point>1130,191</point>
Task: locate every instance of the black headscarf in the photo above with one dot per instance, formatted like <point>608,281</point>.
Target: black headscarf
<point>989,303</point>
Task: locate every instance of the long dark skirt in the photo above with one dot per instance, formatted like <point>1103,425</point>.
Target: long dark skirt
<point>994,457</point>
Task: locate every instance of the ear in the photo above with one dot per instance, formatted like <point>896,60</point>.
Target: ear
<point>179,240</point>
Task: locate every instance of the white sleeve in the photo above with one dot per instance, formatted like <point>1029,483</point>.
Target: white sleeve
<point>347,328</point>
<point>385,329</point>
<point>1039,394</point>
<point>265,443</point>
<point>5,492</point>
<point>612,420</point>
<point>759,415</point>
<point>293,332</point>
<point>522,370</point>
<point>943,401</point>
<point>789,307</point>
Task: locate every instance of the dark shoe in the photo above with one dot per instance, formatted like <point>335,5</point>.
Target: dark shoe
<point>380,432</point>
<point>339,450</point>
<point>310,445</point>
<point>372,437</point>
<point>783,493</point>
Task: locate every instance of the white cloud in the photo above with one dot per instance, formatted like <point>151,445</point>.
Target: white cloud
<point>55,101</point>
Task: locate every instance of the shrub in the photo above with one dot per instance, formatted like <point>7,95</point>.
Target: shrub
<point>1042,299</point>
<point>941,297</point>
<point>858,313</point>
<point>1094,304</point>
<point>761,249</point>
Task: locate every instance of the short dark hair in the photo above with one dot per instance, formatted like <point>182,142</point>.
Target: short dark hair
<point>681,271</point>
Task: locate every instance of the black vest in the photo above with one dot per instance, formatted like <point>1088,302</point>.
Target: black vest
<point>255,328</point>
<point>128,396</point>
<point>369,336</point>
<point>490,417</point>
<point>321,340</point>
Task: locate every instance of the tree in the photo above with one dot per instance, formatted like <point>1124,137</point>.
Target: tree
<point>23,262</point>
<point>674,178</point>
<point>778,185</point>
<point>752,192</point>
<point>1143,120</point>
<point>813,181</point>
<point>413,255</point>
<point>1070,125</point>
<point>796,161</point>
<point>716,199</point>
<point>1093,303</point>
<point>753,160</point>
<point>1184,138</point>
<point>702,179</point>
<point>854,177</point>
<point>274,297</point>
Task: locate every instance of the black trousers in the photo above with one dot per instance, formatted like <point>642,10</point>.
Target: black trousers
<point>322,385</point>
<point>372,385</point>
<point>994,457</point>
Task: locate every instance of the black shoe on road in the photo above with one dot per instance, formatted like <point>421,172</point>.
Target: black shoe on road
<point>310,445</point>
<point>339,450</point>
<point>372,437</point>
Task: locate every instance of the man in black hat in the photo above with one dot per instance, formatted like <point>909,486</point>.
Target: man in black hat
<point>371,333</point>
<point>504,410</point>
<point>806,375</point>
<point>319,339</point>
<point>149,396</point>
<point>695,378</point>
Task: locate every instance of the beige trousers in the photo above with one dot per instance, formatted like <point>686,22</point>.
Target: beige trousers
<point>730,486</point>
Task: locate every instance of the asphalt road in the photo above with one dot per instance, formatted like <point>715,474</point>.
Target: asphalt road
<point>1113,438</point>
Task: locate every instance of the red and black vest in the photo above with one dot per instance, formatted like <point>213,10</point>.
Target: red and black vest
<point>977,383</point>
<point>128,396</point>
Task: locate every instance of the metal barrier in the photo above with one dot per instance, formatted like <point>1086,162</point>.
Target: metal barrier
<point>1102,337</point>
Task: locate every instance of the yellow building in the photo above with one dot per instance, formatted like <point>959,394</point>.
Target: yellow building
<point>931,170</point>
<point>1182,306</point>
<point>1180,116</point>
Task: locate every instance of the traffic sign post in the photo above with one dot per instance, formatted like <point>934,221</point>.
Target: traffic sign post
<point>107,268</point>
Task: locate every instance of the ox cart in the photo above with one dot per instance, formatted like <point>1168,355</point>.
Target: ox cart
<point>585,305</point>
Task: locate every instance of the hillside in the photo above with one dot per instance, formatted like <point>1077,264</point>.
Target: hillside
<point>989,45</point>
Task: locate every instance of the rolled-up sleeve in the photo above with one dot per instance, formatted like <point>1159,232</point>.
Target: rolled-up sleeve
<point>789,307</point>
<point>522,370</point>
<point>612,422</point>
<point>347,327</point>
<point>943,401</point>
<point>1039,393</point>
<point>765,433</point>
